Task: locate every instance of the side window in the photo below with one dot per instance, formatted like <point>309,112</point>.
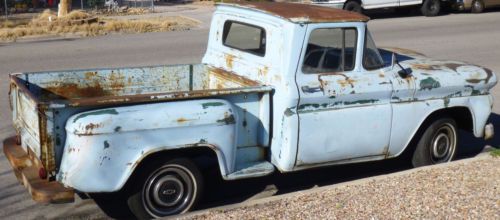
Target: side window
<point>371,56</point>
<point>330,50</point>
<point>245,37</point>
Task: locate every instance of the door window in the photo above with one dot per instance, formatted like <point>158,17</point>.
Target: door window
<point>330,50</point>
<point>371,57</point>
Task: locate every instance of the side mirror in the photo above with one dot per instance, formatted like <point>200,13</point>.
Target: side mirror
<point>403,73</point>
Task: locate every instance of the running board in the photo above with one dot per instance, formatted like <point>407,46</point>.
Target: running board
<point>251,169</point>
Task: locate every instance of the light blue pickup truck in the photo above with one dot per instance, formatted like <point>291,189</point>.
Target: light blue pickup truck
<point>282,87</point>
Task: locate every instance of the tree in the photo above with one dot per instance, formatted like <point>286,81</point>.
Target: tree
<point>64,7</point>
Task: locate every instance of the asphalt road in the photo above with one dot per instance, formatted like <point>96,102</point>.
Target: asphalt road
<point>466,37</point>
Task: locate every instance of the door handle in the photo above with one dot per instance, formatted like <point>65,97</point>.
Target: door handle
<point>308,89</point>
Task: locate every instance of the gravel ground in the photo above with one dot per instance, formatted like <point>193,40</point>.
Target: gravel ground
<point>468,189</point>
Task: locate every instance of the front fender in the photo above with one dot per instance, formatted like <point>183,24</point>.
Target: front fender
<point>103,147</point>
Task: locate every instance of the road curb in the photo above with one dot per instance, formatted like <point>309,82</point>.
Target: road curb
<point>483,155</point>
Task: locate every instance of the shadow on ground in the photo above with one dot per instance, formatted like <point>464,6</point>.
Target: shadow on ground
<point>219,192</point>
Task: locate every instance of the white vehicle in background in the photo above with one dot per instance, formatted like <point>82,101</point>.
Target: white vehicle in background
<point>427,7</point>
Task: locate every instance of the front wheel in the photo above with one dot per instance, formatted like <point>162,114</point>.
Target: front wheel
<point>171,189</point>
<point>438,144</point>
<point>431,8</point>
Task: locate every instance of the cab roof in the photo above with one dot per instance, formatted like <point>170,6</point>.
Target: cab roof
<point>300,13</point>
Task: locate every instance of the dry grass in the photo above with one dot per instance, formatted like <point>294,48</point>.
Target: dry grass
<point>84,24</point>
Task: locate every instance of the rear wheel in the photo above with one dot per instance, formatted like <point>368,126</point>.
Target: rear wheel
<point>477,6</point>
<point>438,144</point>
<point>431,8</point>
<point>353,6</point>
<point>170,189</point>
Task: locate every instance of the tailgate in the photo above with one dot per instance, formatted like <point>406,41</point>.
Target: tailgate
<point>32,123</point>
<point>25,119</point>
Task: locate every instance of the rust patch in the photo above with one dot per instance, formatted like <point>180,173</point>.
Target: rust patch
<point>182,120</point>
<point>232,77</point>
<point>229,61</point>
<point>346,81</point>
<point>263,72</point>
<point>72,90</point>
<point>303,12</point>
<point>90,75</point>
<point>92,126</point>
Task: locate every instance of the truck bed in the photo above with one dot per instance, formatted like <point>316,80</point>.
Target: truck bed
<point>43,101</point>
<point>128,85</point>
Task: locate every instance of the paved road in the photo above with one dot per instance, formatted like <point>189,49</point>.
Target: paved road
<point>467,37</point>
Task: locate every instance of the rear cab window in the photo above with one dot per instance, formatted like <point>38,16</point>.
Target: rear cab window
<point>245,37</point>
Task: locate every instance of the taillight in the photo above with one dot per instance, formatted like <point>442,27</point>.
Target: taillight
<point>42,173</point>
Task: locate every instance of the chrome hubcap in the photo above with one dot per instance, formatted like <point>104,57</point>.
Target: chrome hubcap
<point>168,191</point>
<point>443,144</point>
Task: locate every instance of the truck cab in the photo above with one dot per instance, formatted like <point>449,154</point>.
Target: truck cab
<point>282,87</point>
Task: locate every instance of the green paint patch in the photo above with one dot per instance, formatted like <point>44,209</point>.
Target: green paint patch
<point>304,106</point>
<point>98,112</point>
<point>475,92</point>
<point>106,144</point>
<point>429,83</point>
<point>211,104</point>
<point>332,97</point>
<point>361,102</point>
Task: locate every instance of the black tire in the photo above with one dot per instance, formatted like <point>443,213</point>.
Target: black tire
<point>353,6</point>
<point>172,188</point>
<point>438,143</point>
<point>477,6</point>
<point>431,8</point>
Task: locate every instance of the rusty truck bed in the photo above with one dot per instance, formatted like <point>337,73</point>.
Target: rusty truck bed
<point>130,85</point>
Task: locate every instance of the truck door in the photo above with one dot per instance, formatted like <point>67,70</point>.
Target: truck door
<point>344,111</point>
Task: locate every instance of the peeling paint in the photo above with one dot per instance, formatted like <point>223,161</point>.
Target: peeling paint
<point>361,102</point>
<point>429,83</point>
<point>211,104</point>
<point>98,112</point>
<point>106,144</point>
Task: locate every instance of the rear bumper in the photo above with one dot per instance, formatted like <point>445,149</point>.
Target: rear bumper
<point>26,169</point>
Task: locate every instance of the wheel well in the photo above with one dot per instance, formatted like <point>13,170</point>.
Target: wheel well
<point>461,115</point>
<point>203,157</point>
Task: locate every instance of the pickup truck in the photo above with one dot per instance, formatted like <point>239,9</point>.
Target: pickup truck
<point>427,7</point>
<point>282,86</point>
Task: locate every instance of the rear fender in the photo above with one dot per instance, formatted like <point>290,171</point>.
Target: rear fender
<point>103,147</point>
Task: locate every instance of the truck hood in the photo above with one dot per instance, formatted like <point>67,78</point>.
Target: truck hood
<point>439,78</point>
